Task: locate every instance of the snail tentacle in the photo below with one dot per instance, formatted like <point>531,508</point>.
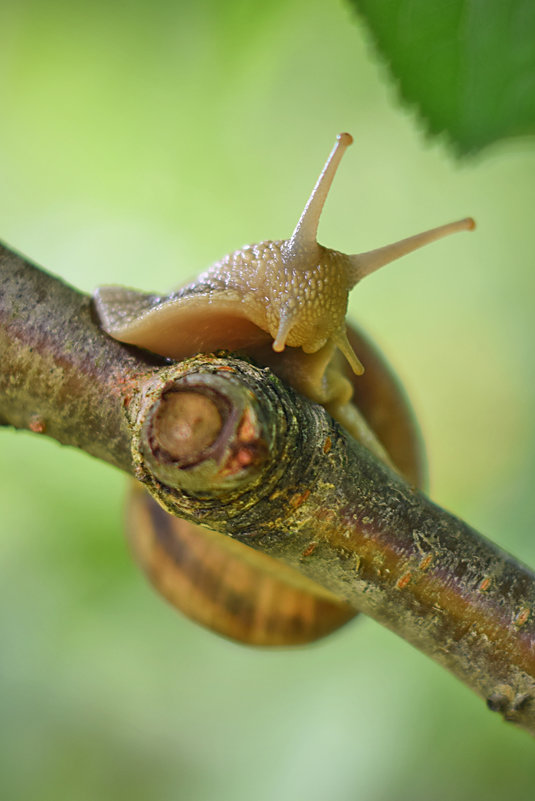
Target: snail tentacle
<point>364,264</point>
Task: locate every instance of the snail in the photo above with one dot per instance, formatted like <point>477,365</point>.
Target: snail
<point>283,303</point>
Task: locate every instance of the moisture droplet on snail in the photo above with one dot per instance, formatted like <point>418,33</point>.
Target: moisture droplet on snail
<point>282,302</point>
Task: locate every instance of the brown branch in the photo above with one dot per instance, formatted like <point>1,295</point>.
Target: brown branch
<point>59,374</point>
<point>223,442</point>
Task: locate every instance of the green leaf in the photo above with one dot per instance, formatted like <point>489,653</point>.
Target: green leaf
<point>468,65</point>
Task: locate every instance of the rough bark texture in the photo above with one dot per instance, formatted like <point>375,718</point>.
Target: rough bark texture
<point>279,475</point>
<point>60,375</point>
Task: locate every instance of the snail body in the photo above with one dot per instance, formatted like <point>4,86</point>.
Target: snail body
<point>282,302</point>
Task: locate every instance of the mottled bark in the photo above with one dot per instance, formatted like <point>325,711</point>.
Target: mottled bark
<point>59,374</point>
<point>256,461</point>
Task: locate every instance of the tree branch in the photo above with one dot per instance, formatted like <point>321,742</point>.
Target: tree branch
<point>220,441</point>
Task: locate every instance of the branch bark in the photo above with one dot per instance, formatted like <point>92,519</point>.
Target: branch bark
<point>223,442</point>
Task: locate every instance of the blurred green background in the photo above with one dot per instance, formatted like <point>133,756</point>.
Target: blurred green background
<point>139,143</point>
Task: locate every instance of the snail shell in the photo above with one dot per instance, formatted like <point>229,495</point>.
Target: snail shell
<point>283,302</point>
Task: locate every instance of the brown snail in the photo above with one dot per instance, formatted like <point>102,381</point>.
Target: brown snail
<point>284,303</point>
